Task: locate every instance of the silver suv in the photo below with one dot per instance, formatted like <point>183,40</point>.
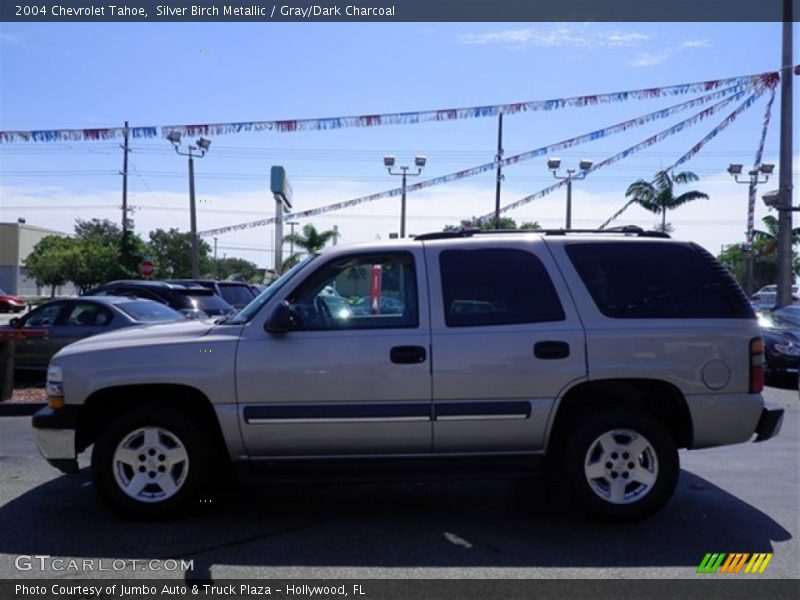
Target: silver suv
<point>599,354</point>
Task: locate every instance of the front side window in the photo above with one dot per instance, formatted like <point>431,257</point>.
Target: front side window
<point>496,286</point>
<point>359,292</point>
<point>45,316</point>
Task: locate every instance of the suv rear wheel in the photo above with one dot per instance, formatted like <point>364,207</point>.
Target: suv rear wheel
<point>621,465</point>
<point>150,462</point>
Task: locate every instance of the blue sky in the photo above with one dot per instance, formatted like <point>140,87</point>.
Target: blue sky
<point>96,75</point>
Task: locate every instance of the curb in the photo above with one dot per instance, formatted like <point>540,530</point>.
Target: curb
<point>20,409</point>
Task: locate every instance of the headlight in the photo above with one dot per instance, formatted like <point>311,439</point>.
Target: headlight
<point>55,387</point>
<point>789,349</point>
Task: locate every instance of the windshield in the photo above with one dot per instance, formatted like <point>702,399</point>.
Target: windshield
<point>147,311</point>
<point>249,311</point>
<point>787,317</point>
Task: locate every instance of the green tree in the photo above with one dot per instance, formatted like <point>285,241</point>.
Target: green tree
<point>171,251</point>
<point>765,256</point>
<point>235,268</point>
<point>488,224</point>
<point>91,263</point>
<point>659,196</point>
<point>308,242</point>
<point>47,264</point>
<point>131,250</point>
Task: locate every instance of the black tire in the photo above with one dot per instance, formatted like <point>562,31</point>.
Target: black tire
<point>173,430</point>
<point>660,461</point>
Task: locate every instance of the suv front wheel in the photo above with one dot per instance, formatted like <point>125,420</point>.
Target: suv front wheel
<point>621,465</point>
<point>150,462</point>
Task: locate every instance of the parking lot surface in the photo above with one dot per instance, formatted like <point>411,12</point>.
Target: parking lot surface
<point>740,498</point>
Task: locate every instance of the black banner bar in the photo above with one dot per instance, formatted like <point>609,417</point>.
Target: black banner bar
<point>705,587</point>
<point>395,10</point>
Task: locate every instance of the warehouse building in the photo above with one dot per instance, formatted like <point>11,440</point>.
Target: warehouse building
<point>16,243</point>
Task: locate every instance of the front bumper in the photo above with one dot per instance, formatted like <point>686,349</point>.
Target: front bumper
<point>770,423</point>
<point>55,437</point>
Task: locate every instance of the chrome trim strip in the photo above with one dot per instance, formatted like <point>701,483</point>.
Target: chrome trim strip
<point>481,417</point>
<point>341,420</point>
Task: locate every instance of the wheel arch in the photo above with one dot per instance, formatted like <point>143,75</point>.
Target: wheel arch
<point>659,398</point>
<point>103,405</point>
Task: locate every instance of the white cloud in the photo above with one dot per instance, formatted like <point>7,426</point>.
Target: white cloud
<point>648,59</point>
<point>695,44</point>
<point>11,39</point>
<point>556,37</point>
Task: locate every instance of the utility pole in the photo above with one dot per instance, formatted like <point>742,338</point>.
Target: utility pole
<point>785,274</point>
<point>498,158</point>
<point>216,264</point>
<point>124,250</point>
<point>291,225</point>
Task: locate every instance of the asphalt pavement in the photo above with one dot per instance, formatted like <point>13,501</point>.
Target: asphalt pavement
<point>742,498</point>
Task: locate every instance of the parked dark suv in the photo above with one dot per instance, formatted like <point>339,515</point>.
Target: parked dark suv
<point>196,302</point>
<point>236,293</point>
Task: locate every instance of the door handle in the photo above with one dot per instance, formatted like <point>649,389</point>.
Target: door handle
<point>407,355</point>
<point>551,349</point>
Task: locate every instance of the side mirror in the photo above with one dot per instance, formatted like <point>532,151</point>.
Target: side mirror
<point>14,322</point>
<point>282,319</point>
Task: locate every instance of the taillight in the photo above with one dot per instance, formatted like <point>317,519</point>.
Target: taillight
<point>756,365</point>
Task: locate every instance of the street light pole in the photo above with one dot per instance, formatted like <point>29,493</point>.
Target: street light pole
<point>193,218</point>
<point>554,164</point>
<point>388,162</point>
<point>202,145</point>
<point>785,273</point>
<point>752,181</point>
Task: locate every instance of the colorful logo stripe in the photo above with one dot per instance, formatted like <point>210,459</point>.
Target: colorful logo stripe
<point>722,562</point>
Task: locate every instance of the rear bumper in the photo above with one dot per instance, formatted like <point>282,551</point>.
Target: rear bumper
<point>55,437</point>
<point>769,425</point>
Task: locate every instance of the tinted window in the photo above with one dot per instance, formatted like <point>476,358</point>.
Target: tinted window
<point>44,316</point>
<point>657,281</point>
<point>207,301</point>
<point>372,291</point>
<point>145,311</point>
<point>496,287</point>
<point>237,295</point>
<point>88,314</point>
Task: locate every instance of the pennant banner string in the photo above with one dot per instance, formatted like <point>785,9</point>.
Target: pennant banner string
<point>646,144</point>
<point>404,118</point>
<point>696,148</point>
<point>736,92</point>
<point>751,189</point>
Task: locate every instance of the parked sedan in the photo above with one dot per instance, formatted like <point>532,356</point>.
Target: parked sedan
<point>70,320</point>
<point>11,303</point>
<point>781,332</point>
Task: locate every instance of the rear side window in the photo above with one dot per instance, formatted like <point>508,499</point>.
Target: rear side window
<point>496,286</point>
<point>658,281</point>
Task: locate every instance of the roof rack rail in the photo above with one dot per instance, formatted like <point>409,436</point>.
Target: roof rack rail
<point>451,233</point>
<point>470,231</point>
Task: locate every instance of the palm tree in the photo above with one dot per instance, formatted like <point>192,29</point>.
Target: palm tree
<point>769,239</point>
<point>658,196</point>
<point>309,241</point>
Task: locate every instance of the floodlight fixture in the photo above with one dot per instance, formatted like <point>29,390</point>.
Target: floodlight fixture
<point>388,161</point>
<point>174,137</point>
<point>203,144</point>
<point>767,169</point>
<point>553,163</point>
<point>735,169</point>
<point>420,161</point>
<point>585,165</point>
